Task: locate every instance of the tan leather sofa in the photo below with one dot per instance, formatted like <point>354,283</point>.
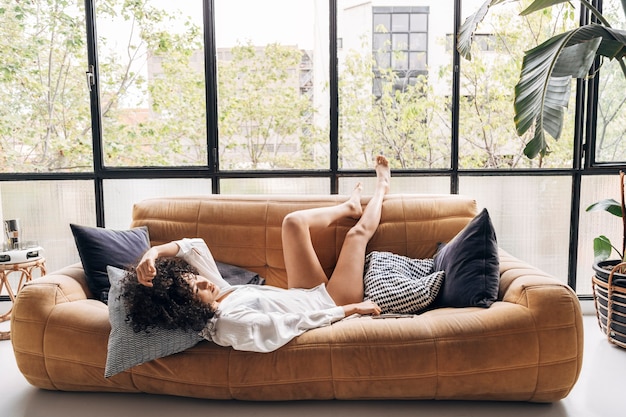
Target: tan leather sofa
<point>527,346</point>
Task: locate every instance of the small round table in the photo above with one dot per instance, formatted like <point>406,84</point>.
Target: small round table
<point>25,269</point>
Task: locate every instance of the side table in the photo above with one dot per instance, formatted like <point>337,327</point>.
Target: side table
<point>25,269</point>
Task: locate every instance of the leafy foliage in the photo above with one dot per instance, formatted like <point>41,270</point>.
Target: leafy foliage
<point>544,86</point>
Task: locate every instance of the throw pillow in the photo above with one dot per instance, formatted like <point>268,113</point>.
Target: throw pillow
<point>99,247</point>
<point>399,284</point>
<point>127,348</point>
<point>236,275</point>
<point>471,263</point>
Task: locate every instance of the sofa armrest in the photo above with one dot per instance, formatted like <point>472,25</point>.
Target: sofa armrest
<point>557,315</point>
<point>31,313</point>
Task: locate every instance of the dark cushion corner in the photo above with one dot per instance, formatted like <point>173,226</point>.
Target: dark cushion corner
<point>471,264</point>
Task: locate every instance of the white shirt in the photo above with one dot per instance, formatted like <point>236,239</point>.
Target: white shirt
<point>197,254</point>
<point>259,318</point>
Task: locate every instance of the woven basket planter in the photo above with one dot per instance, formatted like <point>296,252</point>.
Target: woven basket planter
<point>609,295</point>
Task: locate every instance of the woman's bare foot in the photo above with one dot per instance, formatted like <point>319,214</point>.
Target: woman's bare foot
<point>383,173</point>
<point>354,202</point>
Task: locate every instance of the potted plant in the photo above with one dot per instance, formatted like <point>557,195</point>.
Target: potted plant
<point>543,89</point>
<point>609,281</point>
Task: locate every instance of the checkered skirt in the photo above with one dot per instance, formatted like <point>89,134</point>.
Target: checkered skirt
<point>399,284</point>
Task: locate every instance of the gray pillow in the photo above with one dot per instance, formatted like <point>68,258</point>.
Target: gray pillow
<point>127,348</point>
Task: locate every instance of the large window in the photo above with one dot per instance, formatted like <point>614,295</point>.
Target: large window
<point>272,68</point>
<point>152,83</point>
<point>395,84</point>
<point>486,130</point>
<point>45,124</point>
<point>105,103</point>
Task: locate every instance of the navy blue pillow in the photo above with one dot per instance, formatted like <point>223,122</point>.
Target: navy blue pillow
<point>472,266</point>
<point>99,247</point>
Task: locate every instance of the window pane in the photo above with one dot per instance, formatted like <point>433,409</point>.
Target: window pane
<point>272,84</point>
<point>418,42</point>
<point>417,61</point>
<point>45,210</point>
<point>488,138</point>
<point>400,42</point>
<point>402,110</point>
<point>45,124</point>
<point>419,22</point>
<point>593,224</point>
<point>382,22</point>
<point>611,122</point>
<point>120,195</point>
<point>531,216</point>
<point>275,186</point>
<point>399,22</point>
<point>399,185</point>
<point>152,88</point>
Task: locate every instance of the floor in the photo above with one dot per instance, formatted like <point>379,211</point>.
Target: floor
<point>600,392</point>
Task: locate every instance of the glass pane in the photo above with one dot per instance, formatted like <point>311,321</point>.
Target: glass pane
<point>382,42</point>
<point>488,137</point>
<point>418,42</point>
<point>400,42</point>
<point>120,195</point>
<point>417,61</point>
<point>272,84</point>
<point>382,22</point>
<point>531,216</point>
<point>399,22</point>
<point>275,186</point>
<point>403,113</point>
<point>45,124</point>
<point>419,22</point>
<point>45,209</point>
<point>611,122</point>
<point>399,185</point>
<point>152,88</point>
<point>593,224</point>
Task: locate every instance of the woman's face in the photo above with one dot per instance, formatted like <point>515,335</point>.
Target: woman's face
<point>205,290</point>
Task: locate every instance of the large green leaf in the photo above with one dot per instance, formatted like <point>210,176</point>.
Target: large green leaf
<point>609,205</point>
<point>601,248</point>
<point>541,4</point>
<point>542,92</point>
<point>544,88</point>
<point>467,29</point>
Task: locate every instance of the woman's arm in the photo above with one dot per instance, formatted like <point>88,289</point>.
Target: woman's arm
<point>364,307</point>
<point>145,269</point>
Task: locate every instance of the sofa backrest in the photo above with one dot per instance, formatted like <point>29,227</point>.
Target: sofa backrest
<point>246,230</point>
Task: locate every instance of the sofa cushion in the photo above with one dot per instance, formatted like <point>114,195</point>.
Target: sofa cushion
<point>471,264</point>
<point>127,348</point>
<point>236,275</point>
<point>99,247</point>
<point>398,284</point>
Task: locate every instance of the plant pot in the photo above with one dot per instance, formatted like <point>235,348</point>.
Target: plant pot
<point>609,295</point>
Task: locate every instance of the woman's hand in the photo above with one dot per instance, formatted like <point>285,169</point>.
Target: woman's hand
<point>146,270</point>
<point>364,307</point>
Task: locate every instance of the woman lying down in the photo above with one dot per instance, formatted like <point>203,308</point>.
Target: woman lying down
<point>178,285</point>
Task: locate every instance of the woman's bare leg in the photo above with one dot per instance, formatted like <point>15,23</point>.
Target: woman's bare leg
<point>346,283</point>
<point>303,267</point>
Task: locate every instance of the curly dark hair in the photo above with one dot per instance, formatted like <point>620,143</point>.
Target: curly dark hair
<point>169,304</point>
